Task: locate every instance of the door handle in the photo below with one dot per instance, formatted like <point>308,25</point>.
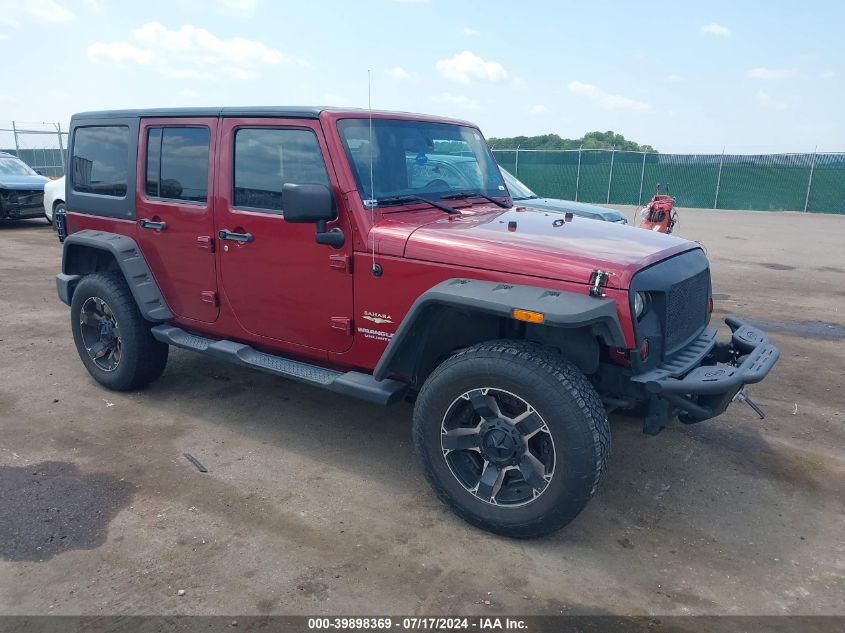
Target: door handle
<point>225,234</point>
<point>144,223</point>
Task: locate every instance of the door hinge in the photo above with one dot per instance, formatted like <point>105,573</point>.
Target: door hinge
<point>209,296</point>
<point>344,324</point>
<point>341,261</point>
<point>206,242</point>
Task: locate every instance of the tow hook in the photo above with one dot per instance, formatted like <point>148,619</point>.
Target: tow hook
<point>742,396</point>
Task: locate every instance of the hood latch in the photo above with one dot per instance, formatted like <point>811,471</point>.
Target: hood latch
<point>598,280</point>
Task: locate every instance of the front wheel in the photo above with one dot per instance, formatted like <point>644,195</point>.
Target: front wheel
<point>512,436</point>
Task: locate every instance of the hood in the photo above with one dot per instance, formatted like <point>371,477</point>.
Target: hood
<point>542,245</point>
<point>22,182</point>
<point>570,206</point>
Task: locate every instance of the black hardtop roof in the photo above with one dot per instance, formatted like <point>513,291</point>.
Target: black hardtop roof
<point>290,112</point>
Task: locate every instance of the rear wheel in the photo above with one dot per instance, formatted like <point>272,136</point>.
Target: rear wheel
<point>513,437</point>
<point>112,338</point>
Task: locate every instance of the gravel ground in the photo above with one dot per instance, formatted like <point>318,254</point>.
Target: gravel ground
<point>313,503</point>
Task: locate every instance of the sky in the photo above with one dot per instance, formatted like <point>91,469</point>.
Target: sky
<point>747,76</point>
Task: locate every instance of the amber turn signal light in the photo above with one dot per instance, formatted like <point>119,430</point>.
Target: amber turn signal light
<point>710,305</point>
<point>528,315</point>
<point>644,349</point>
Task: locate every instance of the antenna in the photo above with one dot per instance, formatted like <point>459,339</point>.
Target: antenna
<point>372,201</point>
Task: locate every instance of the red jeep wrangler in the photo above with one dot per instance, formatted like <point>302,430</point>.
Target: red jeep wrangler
<point>322,245</point>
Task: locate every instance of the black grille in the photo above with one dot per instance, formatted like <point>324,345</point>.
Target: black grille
<point>686,309</point>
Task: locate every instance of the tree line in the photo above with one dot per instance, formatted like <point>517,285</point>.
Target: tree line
<point>591,140</point>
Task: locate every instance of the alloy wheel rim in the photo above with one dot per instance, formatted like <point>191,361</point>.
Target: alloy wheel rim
<point>498,447</point>
<point>100,333</point>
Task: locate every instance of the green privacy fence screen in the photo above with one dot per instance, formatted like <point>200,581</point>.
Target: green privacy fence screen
<point>767,182</point>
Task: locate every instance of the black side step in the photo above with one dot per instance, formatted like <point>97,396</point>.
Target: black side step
<point>350,383</point>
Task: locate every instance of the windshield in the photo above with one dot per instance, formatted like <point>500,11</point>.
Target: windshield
<point>15,167</point>
<point>418,158</point>
<point>517,188</point>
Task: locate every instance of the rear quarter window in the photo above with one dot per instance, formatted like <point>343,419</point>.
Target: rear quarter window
<point>99,160</point>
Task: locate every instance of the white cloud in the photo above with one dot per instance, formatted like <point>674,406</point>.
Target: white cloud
<point>397,72</point>
<point>12,13</point>
<point>412,1</point>
<point>607,100</point>
<point>827,74</point>
<point>470,32</point>
<point>466,66</point>
<point>239,8</point>
<point>716,29</point>
<point>189,93</point>
<point>47,11</point>
<point>765,100</point>
<point>770,73</point>
<point>331,99</point>
<point>191,53</point>
<point>537,110</point>
<point>118,53</point>
<point>461,101</point>
<point>675,78</point>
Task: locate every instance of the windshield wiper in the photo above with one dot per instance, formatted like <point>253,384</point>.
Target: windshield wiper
<point>475,194</point>
<point>414,198</point>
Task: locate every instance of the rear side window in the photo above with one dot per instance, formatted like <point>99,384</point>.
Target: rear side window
<point>177,163</point>
<point>267,158</point>
<point>100,160</point>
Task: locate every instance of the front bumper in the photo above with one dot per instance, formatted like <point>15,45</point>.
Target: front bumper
<point>701,381</point>
<point>21,205</point>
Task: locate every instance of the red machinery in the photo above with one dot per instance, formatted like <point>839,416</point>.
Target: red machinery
<point>659,214</point>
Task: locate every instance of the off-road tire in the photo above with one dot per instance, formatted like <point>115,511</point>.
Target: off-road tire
<point>564,398</point>
<point>143,358</point>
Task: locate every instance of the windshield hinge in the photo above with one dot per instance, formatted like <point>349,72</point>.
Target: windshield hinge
<point>344,324</point>
<point>598,280</point>
<point>341,261</point>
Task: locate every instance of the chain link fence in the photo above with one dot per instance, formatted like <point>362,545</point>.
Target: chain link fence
<point>763,182</point>
<point>40,145</point>
<point>766,182</point>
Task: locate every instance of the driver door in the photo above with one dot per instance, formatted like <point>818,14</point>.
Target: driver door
<point>280,284</point>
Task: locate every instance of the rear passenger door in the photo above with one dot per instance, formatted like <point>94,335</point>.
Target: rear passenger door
<point>174,222</point>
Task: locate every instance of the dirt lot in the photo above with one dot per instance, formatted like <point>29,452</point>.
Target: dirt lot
<point>313,503</point>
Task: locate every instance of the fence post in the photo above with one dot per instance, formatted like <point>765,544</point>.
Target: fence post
<point>61,147</point>
<point>719,179</point>
<point>578,173</point>
<point>642,176</point>
<point>15,134</point>
<point>610,176</point>
<point>810,181</point>
<point>516,163</point>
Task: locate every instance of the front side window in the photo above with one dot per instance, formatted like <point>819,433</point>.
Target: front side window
<point>100,160</point>
<point>177,163</point>
<point>418,158</point>
<point>267,158</point>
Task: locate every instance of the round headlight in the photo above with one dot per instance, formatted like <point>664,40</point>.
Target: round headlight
<point>639,304</point>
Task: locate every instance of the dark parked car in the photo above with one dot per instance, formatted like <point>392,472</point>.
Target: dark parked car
<point>21,189</point>
<point>522,195</point>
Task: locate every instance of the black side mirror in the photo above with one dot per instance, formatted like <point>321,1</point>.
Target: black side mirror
<point>312,203</point>
<point>39,172</point>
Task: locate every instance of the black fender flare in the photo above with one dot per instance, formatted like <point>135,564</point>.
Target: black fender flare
<point>561,309</point>
<point>129,259</point>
